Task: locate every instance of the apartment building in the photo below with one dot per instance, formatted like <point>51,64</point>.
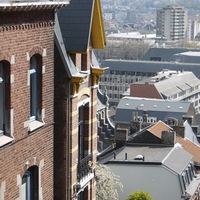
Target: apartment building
<point>26,98</point>
<point>193,29</point>
<point>119,75</point>
<point>172,23</point>
<point>78,30</point>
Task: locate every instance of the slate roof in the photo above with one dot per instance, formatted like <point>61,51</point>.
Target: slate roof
<point>149,66</point>
<point>175,158</point>
<point>166,53</point>
<point>156,108</point>
<point>190,145</point>
<point>178,159</point>
<point>75,24</point>
<point>171,83</point>
<point>151,153</point>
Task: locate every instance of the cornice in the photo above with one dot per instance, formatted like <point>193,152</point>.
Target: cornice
<point>26,26</point>
<point>34,5</point>
<point>75,83</point>
<point>96,73</point>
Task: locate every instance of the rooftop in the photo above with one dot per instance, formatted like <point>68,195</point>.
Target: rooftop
<point>152,154</point>
<point>153,104</point>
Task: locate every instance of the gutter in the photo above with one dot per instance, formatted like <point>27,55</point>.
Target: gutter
<point>69,140</point>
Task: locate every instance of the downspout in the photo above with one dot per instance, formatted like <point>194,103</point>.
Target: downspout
<point>69,106</point>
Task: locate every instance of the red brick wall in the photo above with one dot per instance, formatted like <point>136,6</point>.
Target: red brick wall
<point>61,134</point>
<point>17,40</point>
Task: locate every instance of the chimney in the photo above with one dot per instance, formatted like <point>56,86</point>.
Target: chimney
<point>135,124</point>
<point>180,130</point>
<point>121,137</point>
<point>145,116</point>
<point>168,137</point>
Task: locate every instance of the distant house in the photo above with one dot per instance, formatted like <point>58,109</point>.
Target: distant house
<point>152,160</point>
<point>171,85</point>
<point>105,127</point>
<point>161,133</point>
<point>122,73</point>
<point>149,111</point>
<point>166,172</point>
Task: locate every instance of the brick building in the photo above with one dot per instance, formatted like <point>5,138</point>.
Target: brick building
<point>26,99</point>
<point>78,30</point>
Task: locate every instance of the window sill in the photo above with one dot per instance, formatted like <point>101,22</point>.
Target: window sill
<point>5,140</point>
<point>34,125</point>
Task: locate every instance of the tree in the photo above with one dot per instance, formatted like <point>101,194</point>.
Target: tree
<point>123,49</point>
<point>139,195</point>
<point>107,183</point>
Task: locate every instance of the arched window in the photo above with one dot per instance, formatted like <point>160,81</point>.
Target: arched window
<point>30,184</point>
<point>35,88</point>
<point>36,118</point>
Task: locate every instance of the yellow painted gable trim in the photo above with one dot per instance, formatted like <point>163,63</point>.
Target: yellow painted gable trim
<point>97,32</point>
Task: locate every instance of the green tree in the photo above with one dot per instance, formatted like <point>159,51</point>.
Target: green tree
<point>139,195</point>
<point>107,183</point>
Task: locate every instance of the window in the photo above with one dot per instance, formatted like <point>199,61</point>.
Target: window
<point>84,62</point>
<point>36,118</point>
<point>30,184</point>
<point>35,88</point>
<point>4,98</point>
<point>81,134</point>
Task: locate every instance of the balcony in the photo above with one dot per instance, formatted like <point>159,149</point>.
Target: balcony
<point>84,171</point>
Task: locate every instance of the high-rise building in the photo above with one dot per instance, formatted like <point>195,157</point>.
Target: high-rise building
<point>172,23</point>
<point>193,29</point>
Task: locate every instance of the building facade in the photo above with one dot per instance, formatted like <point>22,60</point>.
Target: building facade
<point>78,29</point>
<point>118,77</point>
<point>122,73</point>
<point>193,29</point>
<point>172,23</point>
<point>26,99</point>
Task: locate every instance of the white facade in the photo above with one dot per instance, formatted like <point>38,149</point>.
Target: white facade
<point>117,82</point>
<point>193,29</point>
<point>172,23</point>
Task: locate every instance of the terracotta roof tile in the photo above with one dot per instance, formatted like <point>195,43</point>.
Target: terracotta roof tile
<point>188,145</point>
<point>158,127</point>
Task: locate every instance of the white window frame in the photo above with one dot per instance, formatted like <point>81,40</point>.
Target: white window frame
<point>33,89</point>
